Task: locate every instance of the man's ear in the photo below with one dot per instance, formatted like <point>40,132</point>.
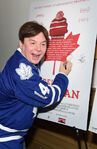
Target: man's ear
<point>20,44</point>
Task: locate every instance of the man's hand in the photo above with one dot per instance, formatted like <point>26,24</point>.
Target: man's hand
<point>65,67</point>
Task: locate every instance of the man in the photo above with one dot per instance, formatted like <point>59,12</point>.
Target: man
<point>22,90</point>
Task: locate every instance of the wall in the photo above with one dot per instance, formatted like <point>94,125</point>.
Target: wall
<point>13,13</point>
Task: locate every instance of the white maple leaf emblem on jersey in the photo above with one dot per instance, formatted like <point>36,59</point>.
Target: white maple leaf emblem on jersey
<point>24,71</point>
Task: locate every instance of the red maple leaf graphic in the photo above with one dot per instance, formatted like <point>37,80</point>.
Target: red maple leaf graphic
<point>60,48</point>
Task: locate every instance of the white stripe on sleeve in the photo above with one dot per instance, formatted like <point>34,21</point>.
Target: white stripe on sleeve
<point>5,139</point>
<point>53,96</point>
<point>58,90</point>
<point>11,130</point>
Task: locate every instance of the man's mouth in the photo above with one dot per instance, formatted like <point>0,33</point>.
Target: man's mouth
<point>36,56</point>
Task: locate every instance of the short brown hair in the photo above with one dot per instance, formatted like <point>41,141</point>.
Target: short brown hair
<point>30,29</point>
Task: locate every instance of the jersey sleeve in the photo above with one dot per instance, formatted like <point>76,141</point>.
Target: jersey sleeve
<point>31,89</point>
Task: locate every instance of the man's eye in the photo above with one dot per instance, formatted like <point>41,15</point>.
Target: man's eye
<point>32,43</point>
<point>43,44</point>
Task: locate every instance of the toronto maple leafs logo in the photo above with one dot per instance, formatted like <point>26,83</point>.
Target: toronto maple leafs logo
<point>24,71</point>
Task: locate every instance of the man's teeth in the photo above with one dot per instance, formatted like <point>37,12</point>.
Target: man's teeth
<point>35,55</point>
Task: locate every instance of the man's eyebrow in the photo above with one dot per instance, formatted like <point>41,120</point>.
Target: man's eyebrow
<point>35,40</point>
<point>31,39</point>
<point>43,41</point>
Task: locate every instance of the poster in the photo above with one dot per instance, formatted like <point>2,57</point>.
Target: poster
<point>93,118</point>
<point>94,76</point>
<point>72,31</point>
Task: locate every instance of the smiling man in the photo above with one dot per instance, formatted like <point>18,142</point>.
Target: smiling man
<point>22,90</point>
<point>34,48</point>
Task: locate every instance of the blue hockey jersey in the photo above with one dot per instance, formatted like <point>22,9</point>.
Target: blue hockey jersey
<point>22,91</point>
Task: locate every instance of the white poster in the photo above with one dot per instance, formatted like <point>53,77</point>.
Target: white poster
<point>93,119</point>
<point>94,76</point>
<point>72,31</point>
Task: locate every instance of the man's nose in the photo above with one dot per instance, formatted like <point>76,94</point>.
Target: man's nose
<point>38,47</point>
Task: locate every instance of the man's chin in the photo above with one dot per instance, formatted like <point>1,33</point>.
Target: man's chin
<point>35,62</point>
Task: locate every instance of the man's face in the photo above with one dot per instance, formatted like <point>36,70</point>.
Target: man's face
<point>34,48</point>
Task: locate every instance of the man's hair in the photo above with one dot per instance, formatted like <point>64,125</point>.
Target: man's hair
<point>30,29</point>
